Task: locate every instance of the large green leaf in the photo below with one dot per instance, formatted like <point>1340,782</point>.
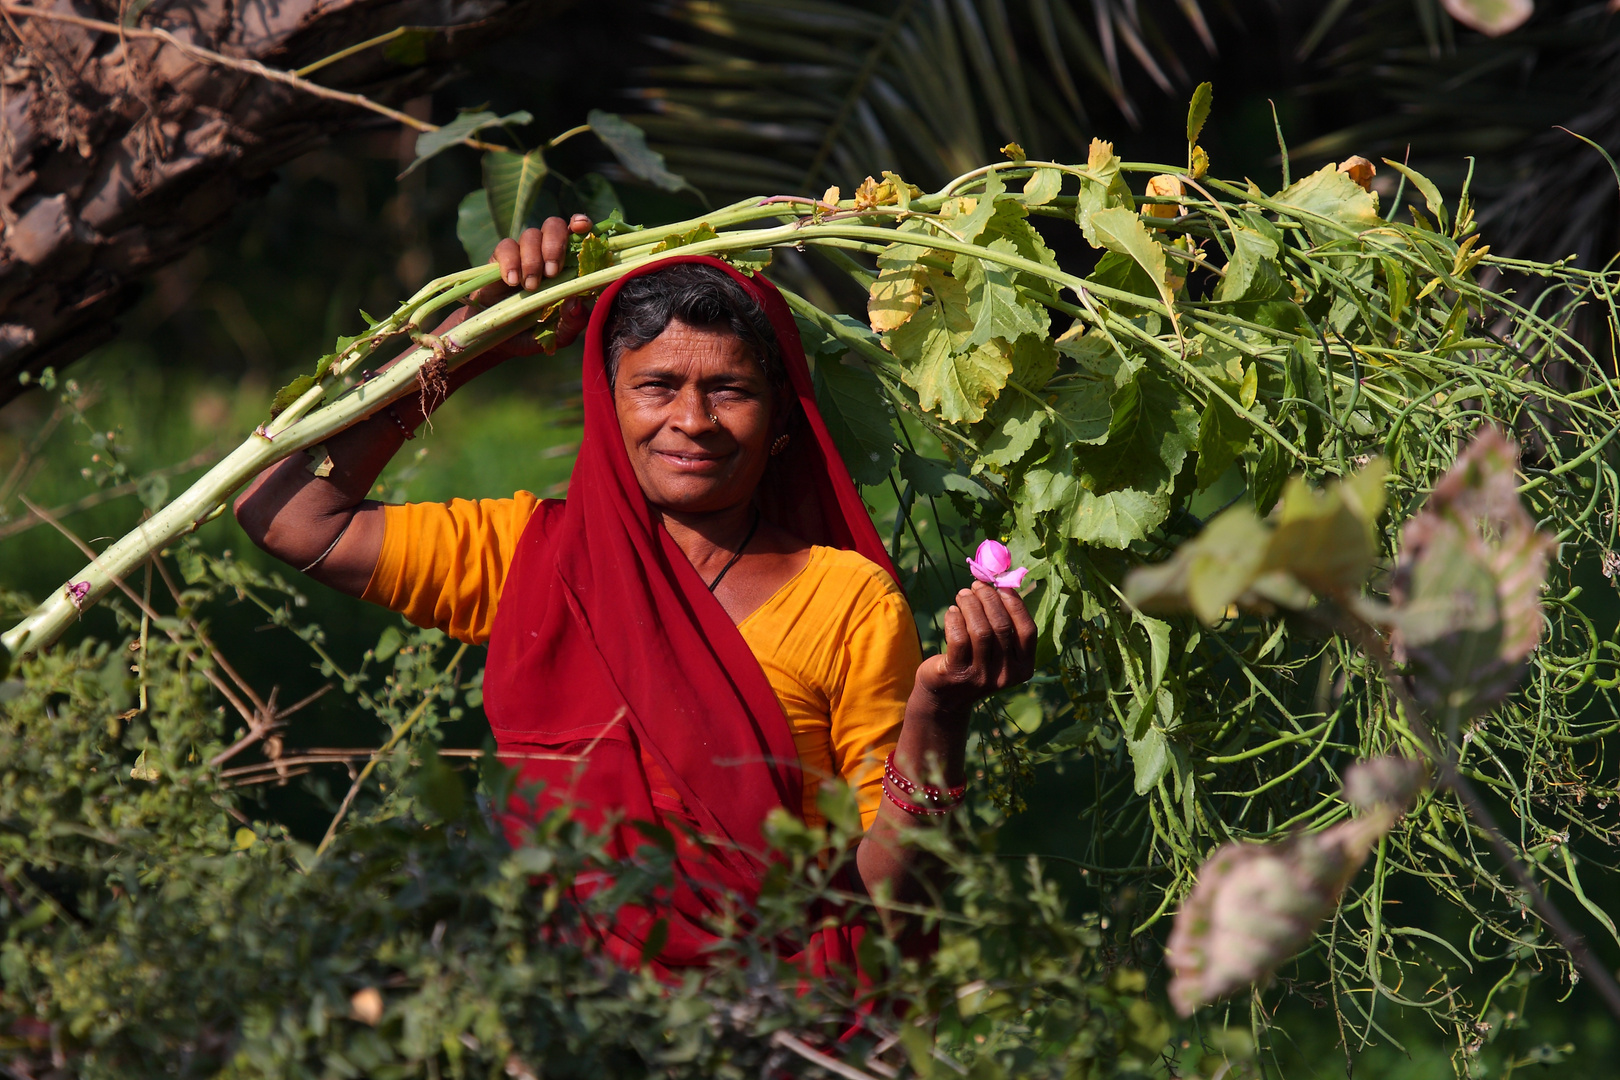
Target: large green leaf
<point>465,126</point>
<point>953,380</point>
<point>993,302</point>
<point>475,227</point>
<point>1150,432</point>
<point>856,411</point>
<point>512,181</point>
<point>1329,193</point>
<point>1122,230</point>
<point>1116,519</point>
<point>629,145</point>
<point>1222,436</point>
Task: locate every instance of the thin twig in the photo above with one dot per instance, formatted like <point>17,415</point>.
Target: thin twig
<point>399,733</point>
<point>275,719</point>
<point>208,673</point>
<point>251,67</point>
<point>1571,939</point>
<point>811,1054</point>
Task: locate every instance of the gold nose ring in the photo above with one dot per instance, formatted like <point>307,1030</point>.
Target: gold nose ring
<point>713,419</point>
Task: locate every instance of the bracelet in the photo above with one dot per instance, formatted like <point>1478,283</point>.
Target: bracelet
<point>929,794</point>
<point>911,807</point>
<point>934,801</point>
<point>329,548</point>
<point>393,414</point>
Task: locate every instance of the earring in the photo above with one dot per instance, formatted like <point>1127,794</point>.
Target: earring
<point>779,445</point>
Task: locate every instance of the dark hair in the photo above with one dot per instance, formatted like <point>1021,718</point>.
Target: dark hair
<point>700,296</point>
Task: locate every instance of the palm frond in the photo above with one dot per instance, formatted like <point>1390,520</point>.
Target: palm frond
<point>764,94</point>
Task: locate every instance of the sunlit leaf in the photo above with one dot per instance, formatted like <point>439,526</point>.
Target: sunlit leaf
<point>512,181</point>
<point>1203,97</point>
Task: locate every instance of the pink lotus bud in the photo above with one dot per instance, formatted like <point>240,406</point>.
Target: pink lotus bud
<point>992,564</point>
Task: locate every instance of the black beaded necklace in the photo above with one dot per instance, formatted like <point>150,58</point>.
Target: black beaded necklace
<point>753,527</point>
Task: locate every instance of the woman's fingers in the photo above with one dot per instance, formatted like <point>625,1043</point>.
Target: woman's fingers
<point>579,224</point>
<point>1024,627</point>
<point>958,645</point>
<point>575,316</point>
<point>986,649</point>
<point>508,256</point>
<point>995,612</point>
<point>533,246</point>
<point>553,244</point>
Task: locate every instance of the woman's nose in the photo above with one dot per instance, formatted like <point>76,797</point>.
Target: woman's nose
<point>693,414</point>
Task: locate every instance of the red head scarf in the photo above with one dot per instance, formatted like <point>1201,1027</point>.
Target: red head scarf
<point>608,644</point>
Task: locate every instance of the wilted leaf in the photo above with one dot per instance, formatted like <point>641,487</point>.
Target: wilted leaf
<point>897,291</point>
<point>1360,170</point>
<point>956,384</point>
<point>1467,585</point>
<point>1492,18</point>
<point>1329,193</point>
<point>366,1006</point>
<point>1104,189</point>
<point>1256,905</point>
<point>1164,187</point>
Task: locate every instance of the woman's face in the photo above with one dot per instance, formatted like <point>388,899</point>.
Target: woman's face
<point>665,394</point>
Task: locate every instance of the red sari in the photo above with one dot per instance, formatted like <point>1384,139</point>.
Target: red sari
<point>608,644</point>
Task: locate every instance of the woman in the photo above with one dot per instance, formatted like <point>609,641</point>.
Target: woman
<point>709,621</point>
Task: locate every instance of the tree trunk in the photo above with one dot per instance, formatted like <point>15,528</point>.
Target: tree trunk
<point>119,154</point>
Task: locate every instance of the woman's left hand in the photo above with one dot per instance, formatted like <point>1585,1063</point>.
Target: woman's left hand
<point>989,646</point>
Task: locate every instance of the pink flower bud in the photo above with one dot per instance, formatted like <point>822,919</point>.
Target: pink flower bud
<point>992,564</point>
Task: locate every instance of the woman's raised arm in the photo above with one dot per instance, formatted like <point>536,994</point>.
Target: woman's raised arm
<point>311,511</point>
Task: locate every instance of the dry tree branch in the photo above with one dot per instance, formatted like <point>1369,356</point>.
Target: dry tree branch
<point>252,67</point>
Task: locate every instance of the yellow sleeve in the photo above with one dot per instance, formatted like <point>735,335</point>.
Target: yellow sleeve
<point>443,564</point>
<point>881,655</point>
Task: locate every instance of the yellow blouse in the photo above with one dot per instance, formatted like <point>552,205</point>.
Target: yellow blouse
<point>836,642</point>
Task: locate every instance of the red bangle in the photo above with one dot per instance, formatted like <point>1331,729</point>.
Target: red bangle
<point>911,807</point>
<point>928,793</point>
